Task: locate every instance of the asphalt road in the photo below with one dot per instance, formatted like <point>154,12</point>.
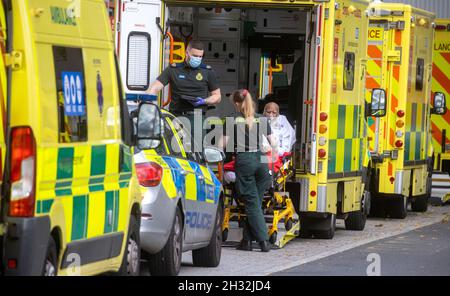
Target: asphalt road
<point>301,252</point>
<point>424,251</point>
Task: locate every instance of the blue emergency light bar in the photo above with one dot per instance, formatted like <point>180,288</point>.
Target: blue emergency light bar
<point>141,97</point>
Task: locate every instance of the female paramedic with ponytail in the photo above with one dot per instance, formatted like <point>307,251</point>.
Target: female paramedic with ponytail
<point>247,129</point>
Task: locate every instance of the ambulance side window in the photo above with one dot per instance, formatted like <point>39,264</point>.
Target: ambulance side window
<point>420,68</point>
<point>349,70</point>
<point>71,94</point>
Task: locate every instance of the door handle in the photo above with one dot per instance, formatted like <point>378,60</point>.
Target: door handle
<point>183,172</point>
<point>201,178</point>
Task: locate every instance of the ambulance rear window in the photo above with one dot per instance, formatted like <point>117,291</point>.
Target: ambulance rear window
<point>349,71</point>
<point>70,94</point>
<point>138,61</point>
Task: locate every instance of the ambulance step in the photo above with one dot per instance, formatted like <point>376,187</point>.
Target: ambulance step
<point>440,186</point>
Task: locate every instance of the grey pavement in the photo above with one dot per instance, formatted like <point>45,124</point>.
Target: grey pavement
<point>302,251</point>
<point>421,252</point>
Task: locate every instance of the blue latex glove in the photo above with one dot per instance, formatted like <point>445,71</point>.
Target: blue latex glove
<point>198,102</point>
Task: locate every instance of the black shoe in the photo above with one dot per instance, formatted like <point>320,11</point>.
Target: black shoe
<point>265,246</point>
<point>245,245</point>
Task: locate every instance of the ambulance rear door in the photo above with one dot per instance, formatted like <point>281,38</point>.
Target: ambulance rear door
<point>138,43</point>
<point>378,42</point>
<point>3,100</point>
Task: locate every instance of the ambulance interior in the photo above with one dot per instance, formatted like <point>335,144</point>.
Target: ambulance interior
<point>258,49</point>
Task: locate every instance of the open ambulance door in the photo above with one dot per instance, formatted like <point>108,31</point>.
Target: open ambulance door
<point>139,26</point>
<point>3,111</point>
<point>307,135</point>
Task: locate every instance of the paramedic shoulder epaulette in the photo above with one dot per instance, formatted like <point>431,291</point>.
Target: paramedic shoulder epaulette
<point>176,65</point>
<point>203,66</point>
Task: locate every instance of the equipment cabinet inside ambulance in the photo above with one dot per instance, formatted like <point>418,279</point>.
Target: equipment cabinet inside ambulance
<point>70,200</point>
<point>399,80</point>
<point>307,56</point>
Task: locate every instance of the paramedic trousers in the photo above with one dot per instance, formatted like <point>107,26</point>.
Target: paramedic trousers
<point>252,180</point>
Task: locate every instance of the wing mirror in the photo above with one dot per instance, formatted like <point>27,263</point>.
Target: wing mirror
<point>213,154</point>
<point>149,128</point>
<point>377,106</point>
<point>439,104</point>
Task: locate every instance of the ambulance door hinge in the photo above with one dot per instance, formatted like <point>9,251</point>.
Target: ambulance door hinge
<point>394,55</point>
<point>118,27</point>
<point>14,60</point>
<point>399,25</point>
<point>327,13</point>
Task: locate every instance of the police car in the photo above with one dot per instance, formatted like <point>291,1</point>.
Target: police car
<point>182,205</point>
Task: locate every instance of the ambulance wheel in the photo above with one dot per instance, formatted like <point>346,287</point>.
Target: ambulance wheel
<point>51,261</point>
<point>420,204</point>
<point>288,224</point>
<point>273,238</point>
<point>305,233</point>
<point>210,255</point>
<point>132,255</point>
<point>168,260</point>
<point>398,207</point>
<point>377,208</point>
<point>327,233</point>
<point>225,235</point>
<point>356,220</point>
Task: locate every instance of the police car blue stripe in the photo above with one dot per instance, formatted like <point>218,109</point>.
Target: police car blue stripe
<point>175,170</point>
<point>201,186</point>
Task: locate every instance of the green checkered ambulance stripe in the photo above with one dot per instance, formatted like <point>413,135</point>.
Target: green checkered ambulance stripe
<point>415,135</point>
<point>345,141</point>
<point>80,214</point>
<point>77,174</point>
<point>101,158</point>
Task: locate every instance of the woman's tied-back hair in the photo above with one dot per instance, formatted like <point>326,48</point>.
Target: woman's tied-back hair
<point>247,107</point>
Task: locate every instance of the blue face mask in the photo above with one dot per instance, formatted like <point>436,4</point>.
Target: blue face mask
<point>195,62</point>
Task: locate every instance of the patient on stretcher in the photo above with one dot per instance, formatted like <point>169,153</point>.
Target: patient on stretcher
<point>284,135</point>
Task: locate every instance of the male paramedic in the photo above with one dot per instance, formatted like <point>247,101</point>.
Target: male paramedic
<point>194,86</point>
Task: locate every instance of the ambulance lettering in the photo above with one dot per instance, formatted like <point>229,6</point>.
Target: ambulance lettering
<point>442,47</point>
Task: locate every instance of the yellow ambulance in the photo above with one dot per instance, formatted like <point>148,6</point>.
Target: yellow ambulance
<point>440,124</point>
<point>70,200</point>
<point>308,54</point>
<point>399,74</point>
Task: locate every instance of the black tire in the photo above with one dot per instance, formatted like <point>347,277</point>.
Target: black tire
<point>377,208</point>
<point>327,233</point>
<point>288,224</point>
<point>168,260</point>
<point>225,235</point>
<point>420,204</point>
<point>398,207</point>
<point>51,259</point>
<point>273,238</point>
<point>210,255</point>
<point>305,233</point>
<point>132,256</point>
<point>356,221</point>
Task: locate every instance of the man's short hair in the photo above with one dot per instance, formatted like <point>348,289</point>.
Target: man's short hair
<point>196,44</point>
<point>272,104</point>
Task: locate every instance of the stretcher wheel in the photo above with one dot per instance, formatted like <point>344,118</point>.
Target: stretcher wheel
<point>273,238</point>
<point>225,235</point>
<point>288,224</point>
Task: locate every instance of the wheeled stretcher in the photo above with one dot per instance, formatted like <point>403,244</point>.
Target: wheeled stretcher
<point>277,206</point>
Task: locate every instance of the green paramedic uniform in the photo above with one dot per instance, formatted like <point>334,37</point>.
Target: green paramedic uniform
<point>252,171</point>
